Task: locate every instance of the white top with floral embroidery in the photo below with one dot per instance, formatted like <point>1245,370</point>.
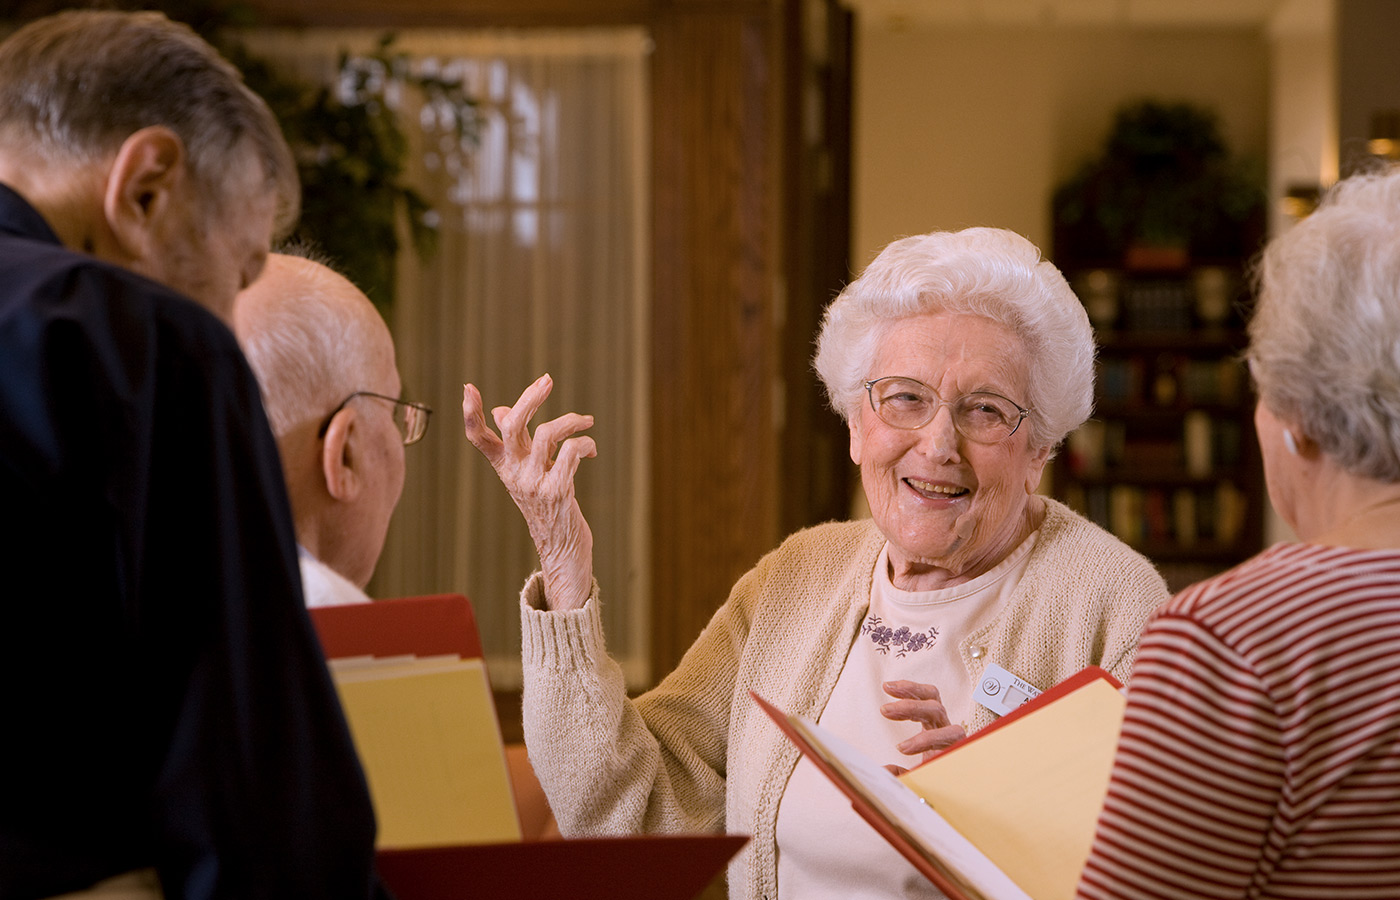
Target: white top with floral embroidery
<point>906,635</point>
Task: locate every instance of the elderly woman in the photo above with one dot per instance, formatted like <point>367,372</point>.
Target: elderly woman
<point>1260,756</point>
<point>959,360</point>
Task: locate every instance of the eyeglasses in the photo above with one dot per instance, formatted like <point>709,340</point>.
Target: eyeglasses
<point>410,418</point>
<point>983,417</point>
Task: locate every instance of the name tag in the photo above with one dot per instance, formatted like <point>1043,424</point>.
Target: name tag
<point>1001,692</point>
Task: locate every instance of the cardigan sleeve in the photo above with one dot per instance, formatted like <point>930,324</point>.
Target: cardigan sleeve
<point>663,762</point>
<point>613,765</point>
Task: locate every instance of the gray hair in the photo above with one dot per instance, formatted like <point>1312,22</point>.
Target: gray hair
<point>77,84</point>
<point>1325,335</point>
<point>987,272</point>
<point>306,348</point>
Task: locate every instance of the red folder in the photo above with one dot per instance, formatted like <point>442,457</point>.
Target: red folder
<point>645,867</point>
<point>432,625</point>
<point>641,867</point>
<point>927,864</point>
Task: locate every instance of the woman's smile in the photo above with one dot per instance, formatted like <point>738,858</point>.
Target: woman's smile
<point>936,490</point>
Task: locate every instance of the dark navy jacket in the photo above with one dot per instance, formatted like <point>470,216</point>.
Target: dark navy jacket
<point>163,700</point>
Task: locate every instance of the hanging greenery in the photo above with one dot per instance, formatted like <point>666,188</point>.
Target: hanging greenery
<point>351,153</point>
<point>350,150</point>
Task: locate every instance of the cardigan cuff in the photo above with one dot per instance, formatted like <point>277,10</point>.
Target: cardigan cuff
<point>560,639</point>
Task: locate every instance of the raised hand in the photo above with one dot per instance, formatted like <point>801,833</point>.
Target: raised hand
<point>539,472</point>
<point>920,703</point>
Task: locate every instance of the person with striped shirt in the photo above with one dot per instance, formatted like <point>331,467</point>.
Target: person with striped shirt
<point>1260,753</point>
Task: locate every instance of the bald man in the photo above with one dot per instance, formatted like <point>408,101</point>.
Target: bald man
<point>325,361</point>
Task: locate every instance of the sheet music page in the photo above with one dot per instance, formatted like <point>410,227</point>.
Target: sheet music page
<point>426,734</point>
<point>907,811</point>
<point>369,668</point>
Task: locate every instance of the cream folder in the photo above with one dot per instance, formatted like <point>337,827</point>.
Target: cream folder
<point>1028,795</point>
<point>428,739</point>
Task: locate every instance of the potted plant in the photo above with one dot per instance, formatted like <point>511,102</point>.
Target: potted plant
<point>1165,190</point>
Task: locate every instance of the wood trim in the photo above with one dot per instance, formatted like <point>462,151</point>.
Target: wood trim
<point>714,481</point>
<point>817,473</point>
<point>446,14</point>
<point>484,13</point>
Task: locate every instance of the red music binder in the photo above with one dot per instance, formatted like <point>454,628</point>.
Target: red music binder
<point>430,625</point>
<point>643,867</point>
<point>640,867</point>
<point>899,819</point>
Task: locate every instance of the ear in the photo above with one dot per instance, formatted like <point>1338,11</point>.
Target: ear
<point>1036,468</point>
<point>1306,446</point>
<point>857,436</point>
<point>1290,432</point>
<point>340,456</point>
<point>146,174</point>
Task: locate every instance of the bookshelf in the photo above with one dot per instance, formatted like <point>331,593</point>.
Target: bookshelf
<point>1168,462</point>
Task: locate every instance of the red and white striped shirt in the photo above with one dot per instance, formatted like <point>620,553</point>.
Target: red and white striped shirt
<point>1260,753</point>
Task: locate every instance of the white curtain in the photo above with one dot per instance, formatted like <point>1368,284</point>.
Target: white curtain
<point>541,266</point>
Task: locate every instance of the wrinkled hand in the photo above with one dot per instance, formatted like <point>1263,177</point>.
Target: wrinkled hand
<point>920,703</point>
<point>539,474</point>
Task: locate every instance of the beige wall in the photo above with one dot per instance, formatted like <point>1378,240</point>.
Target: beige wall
<point>975,125</point>
<point>1303,130</point>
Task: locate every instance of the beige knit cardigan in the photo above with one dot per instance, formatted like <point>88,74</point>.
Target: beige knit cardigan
<point>696,754</point>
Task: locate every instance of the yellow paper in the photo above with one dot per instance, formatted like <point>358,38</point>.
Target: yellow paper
<point>427,737</point>
<point>1029,794</point>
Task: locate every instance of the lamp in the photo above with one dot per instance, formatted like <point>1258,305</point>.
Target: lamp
<point>1385,133</point>
<point>1300,199</point>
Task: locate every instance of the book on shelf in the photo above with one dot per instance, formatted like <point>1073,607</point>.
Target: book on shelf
<point>1197,443</point>
<point>1231,511</point>
<point>1126,513</point>
<point>1006,814</point>
<point>1157,305</point>
<point>1162,516</point>
<point>1184,520</point>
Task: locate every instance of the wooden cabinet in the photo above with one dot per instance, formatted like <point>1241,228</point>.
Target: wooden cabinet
<point>1169,461</point>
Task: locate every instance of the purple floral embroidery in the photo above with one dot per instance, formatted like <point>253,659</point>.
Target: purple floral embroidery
<point>900,638</point>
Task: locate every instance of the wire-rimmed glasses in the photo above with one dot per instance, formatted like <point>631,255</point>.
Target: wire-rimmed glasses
<point>410,418</point>
<point>982,416</point>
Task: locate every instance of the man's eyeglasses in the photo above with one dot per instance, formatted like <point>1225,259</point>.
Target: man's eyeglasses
<point>983,417</point>
<point>411,418</point>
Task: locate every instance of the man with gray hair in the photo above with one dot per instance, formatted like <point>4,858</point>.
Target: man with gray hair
<point>325,360</point>
<point>170,726</point>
